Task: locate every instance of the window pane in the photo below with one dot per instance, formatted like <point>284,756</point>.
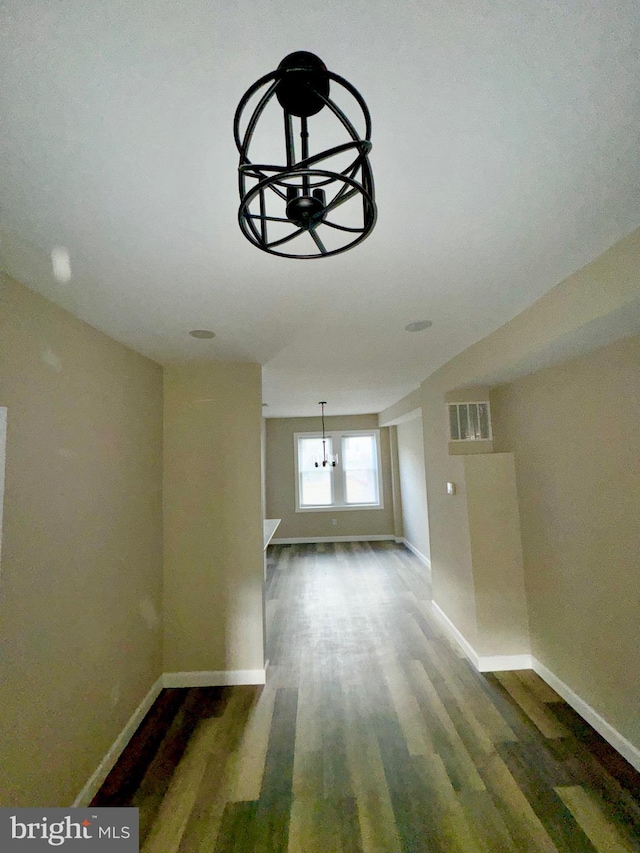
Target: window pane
<point>315,483</point>
<point>360,463</point>
<point>315,487</point>
<point>361,487</point>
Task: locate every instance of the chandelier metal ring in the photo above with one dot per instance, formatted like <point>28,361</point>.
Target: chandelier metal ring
<point>248,220</point>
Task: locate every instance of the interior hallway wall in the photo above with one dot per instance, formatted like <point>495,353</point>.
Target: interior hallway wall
<point>575,432</point>
<point>413,487</point>
<point>213,571</point>
<point>81,571</point>
<point>593,307</point>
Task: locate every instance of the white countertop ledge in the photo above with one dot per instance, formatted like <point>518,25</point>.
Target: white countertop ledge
<point>270,527</point>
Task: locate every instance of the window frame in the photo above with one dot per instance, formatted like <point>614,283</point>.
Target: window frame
<point>338,483</point>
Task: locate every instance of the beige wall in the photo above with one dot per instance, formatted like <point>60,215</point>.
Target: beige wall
<point>281,499</point>
<point>80,579</point>
<point>413,489</point>
<point>574,429</point>
<point>263,466</point>
<point>396,493</point>
<point>496,554</point>
<point>213,518</point>
<point>592,307</point>
<point>403,409</point>
<point>3,443</point>
<point>450,544</point>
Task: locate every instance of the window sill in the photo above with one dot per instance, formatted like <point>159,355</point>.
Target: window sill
<point>339,508</point>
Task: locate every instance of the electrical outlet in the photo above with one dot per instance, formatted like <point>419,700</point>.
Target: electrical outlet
<point>334,522</point>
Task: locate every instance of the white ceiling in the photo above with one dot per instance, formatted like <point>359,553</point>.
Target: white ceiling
<point>506,155</point>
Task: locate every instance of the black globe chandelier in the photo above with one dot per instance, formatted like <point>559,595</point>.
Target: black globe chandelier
<point>316,203</point>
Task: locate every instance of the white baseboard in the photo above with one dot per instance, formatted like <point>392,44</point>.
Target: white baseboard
<point>483,663</point>
<point>313,539</point>
<point>611,735</point>
<point>451,629</point>
<point>169,679</point>
<point>106,765</point>
<point>419,554</point>
<point>497,663</point>
<point>503,663</point>
<point>222,678</point>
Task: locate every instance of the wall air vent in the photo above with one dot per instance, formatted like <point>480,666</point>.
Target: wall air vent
<point>469,421</point>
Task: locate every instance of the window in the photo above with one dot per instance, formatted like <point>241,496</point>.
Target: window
<point>354,483</point>
<point>469,421</point>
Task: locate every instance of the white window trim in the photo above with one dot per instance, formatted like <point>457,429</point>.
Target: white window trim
<point>467,403</point>
<point>336,446</point>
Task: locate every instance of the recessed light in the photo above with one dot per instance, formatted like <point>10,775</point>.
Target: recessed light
<point>418,326</point>
<point>202,333</point>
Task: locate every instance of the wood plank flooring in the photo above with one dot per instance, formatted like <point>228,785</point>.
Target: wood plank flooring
<point>373,734</point>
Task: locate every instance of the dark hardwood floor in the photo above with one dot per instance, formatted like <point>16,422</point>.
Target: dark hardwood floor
<point>373,733</point>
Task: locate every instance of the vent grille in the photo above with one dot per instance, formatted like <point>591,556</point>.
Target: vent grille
<point>469,421</point>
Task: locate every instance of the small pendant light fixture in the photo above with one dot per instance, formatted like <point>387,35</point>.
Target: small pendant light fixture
<point>283,207</point>
<point>332,459</point>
